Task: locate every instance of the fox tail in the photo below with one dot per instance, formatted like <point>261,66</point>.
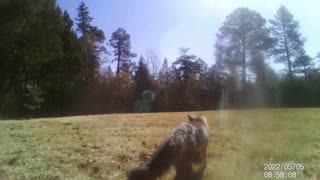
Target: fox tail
<point>158,164</point>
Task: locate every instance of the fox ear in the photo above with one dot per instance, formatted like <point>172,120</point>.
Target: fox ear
<point>204,120</point>
<point>191,118</point>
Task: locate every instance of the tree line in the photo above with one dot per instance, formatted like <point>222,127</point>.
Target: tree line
<point>52,65</point>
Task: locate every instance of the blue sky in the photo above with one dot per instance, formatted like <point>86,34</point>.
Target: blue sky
<point>166,25</point>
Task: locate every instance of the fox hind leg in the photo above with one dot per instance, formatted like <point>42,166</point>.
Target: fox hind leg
<point>184,171</point>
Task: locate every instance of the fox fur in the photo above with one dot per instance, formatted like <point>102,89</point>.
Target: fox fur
<point>184,148</point>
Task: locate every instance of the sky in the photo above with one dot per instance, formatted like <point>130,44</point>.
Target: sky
<point>164,26</point>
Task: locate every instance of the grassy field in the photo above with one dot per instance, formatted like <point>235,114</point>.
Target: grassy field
<point>106,146</point>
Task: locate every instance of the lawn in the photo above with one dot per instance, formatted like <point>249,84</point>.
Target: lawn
<point>106,146</point>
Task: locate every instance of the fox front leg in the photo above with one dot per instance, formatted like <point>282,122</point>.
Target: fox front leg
<point>202,164</point>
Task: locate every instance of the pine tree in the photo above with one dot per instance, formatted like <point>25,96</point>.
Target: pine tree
<point>289,43</point>
<point>84,19</point>
<point>36,56</point>
<point>143,85</point>
<point>186,88</point>
<point>120,41</point>
<point>186,65</point>
<point>164,81</point>
<point>142,78</point>
<point>164,76</point>
<point>92,38</point>
<point>243,32</point>
<point>303,64</point>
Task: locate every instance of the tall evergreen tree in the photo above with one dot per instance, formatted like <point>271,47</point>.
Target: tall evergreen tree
<point>92,38</point>
<point>303,64</point>
<point>64,72</point>
<point>142,78</point>
<point>120,41</point>
<point>185,91</point>
<point>242,34</point>
<point>84,19</point>
<point>289,43</point>
<point>164,76</point>
<point>186,65</point>
<point>164,81</point>
<point>37,51</point>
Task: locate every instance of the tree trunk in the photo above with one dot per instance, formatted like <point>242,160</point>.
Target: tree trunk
<point>244,73</point>
<point>288,58</point>
<point>3,93</point>
<point>243,62</point>
<point>287,50</point>
<point>305,72</point>
<point>118,65</point>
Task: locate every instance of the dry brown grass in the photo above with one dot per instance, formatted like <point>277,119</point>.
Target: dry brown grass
<point>131,139</point>
<point>106,146</point>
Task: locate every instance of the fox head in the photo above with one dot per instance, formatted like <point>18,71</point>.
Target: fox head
<point>201,119</point>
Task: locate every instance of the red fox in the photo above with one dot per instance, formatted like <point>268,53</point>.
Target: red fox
<point>185,147</point>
